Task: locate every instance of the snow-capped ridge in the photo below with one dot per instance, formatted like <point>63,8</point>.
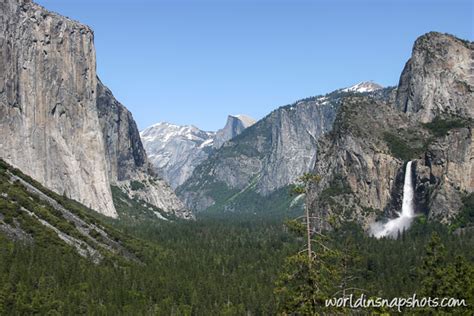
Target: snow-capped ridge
<point>364,86</point>
<point>176,150</point>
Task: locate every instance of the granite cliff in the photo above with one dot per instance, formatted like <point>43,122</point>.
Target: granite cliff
<point>437,79</point>
<point>128,166</point>
<point>58,123</point>
<point>235,125</point>
<point>428,119</point>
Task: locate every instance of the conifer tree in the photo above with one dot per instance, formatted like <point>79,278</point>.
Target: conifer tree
<point>432,269</point>
<point>310,276</point>
<point>441,279</point>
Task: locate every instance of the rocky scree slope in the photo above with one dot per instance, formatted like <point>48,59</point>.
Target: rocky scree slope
<point>264,159</point>
<point>362,161</point>
<point>175,151</point>
<point>49,111</point>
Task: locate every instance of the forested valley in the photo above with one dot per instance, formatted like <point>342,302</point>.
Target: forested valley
<point>227,264</point>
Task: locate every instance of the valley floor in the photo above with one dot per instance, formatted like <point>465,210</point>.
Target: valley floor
<point>222,264</point>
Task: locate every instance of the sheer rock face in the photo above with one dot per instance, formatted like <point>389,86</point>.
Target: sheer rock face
<point>445,173</point>
<point>438,78</point>
<point>48,116</point>
<point>126,157</point>
<point>362,161</point>
<point>440,84</point>
<point>58,123</point>
<point>294,134</point>
<point>124,150</point>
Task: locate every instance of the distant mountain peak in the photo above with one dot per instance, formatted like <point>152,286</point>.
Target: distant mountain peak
<point>245,119</point>
<point>364,86</point>
<point>234,126</point>
<point>175,150</point>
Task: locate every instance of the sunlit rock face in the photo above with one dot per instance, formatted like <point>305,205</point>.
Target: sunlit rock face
<point>235,125</point>
<point>48,115</point>
<point>437,79</point>
<point>58,123</point>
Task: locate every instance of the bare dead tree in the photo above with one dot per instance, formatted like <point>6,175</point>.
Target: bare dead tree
<point>302,187</point>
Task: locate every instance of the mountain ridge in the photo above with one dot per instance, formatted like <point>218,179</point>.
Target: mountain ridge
<point>176,150</point>
<point>264,158</point>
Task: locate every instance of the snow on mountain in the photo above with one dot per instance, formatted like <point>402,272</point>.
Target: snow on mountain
<point>176,150</point>
<point>166,131</point>
<point>365,86</point>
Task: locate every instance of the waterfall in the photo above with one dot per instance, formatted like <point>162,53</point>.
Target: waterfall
<point>404,219</point>
<point>408,209</point>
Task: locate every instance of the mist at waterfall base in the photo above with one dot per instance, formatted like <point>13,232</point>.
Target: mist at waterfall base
<point>405,218</point>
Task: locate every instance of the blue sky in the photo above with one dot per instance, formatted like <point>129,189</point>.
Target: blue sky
<point>194,62</point>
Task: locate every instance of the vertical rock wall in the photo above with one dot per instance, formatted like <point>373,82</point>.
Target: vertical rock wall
<point>48,115</point>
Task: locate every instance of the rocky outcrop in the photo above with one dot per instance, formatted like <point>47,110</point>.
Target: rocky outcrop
<point>438,78</point>
<point>60,124</point>
<point>362,161</point>
<point>362,164</point>
<point>48,115</point>
<point>235,125</point>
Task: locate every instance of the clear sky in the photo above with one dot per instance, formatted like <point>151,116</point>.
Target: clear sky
<point>196,61</point>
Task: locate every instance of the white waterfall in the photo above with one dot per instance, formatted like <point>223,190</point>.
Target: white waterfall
<point>408,209</point>
<point>404,219</point>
